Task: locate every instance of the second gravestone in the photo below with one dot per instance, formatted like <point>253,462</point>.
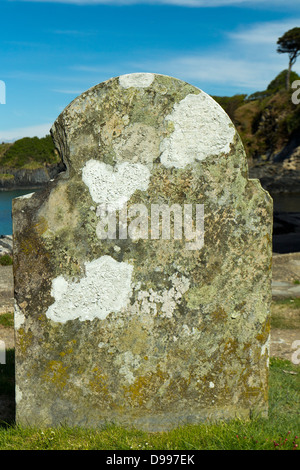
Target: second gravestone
<point>143,272</point>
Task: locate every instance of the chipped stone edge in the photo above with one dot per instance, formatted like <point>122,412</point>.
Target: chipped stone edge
<point>136,80</point>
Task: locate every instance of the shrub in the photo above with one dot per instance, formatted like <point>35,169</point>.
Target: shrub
<point>6,260</point>
<point>28,150</point>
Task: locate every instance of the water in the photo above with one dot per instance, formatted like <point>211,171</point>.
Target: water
<point>6,198</point>
<point>286,202</point>
<point>282,203</point>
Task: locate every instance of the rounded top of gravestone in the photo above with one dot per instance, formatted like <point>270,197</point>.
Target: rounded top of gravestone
<point>143,118</point>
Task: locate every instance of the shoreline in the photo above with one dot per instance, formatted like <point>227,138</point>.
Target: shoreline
<point>12,179</point>
<point>21,188</point>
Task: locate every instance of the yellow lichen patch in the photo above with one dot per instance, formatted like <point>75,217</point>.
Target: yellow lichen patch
<point>219,314</point>
<point>26,246</point>
<point>265,332</point>
<point>56,373</point>
<point>112,128</point>
<point>98,383</point>
<point>230,346</point>
<point>23,339</point>
<point>137,392</point>
<point>145,387</point>
<point>178,387</point>
<point>42,317</point>
<point>41,226</point>
<point>135,339</point>
<point>255,388</point>
<point>68,348</point>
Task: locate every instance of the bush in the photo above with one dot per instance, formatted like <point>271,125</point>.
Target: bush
<point>279,82</point>
<point>230,104</point>
<point>29,149</point>
<point>6,260</point>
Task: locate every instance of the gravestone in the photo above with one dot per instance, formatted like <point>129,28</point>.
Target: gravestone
<point>143,272</point>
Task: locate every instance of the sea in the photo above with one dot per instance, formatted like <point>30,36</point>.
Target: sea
<point>282,203</point>
<point>6,198</point>
<point>286,202</point>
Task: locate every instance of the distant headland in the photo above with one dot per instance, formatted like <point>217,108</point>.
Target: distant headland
<point>267,121</point>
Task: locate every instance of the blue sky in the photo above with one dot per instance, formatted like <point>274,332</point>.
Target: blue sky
<point>51,51</point>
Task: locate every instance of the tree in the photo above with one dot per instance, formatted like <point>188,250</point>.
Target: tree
<point>290,43</point>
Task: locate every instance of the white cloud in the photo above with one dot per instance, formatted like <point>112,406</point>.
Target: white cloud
<point>216,70</point>
<point>246,61</point>
<point>265,33</point>
<point>244,69</point>
<point>11,135</point>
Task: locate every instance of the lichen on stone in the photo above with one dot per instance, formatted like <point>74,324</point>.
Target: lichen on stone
<point>138,329</point>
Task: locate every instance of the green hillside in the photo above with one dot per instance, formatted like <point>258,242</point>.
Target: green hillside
<point>266,120</point>
<point>28,153</point>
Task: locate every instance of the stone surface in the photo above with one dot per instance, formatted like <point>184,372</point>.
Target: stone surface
<point>6,289</point>
<point>6,245</point>
<point>286,275</point>
<point>145,331</point>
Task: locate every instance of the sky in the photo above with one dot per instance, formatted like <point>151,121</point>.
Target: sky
<point>54,50</point>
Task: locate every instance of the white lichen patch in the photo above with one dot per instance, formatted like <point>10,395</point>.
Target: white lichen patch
<point>111,187</point>
<point>19,394</point>
<point>162,303</point>
<point>201,129</point>
<point>106,288</point>
<point>137,143</point>
<point>266,349</point>
<point>19,317</point>
<point>136,80</point>
<point>189,331</point>
<point>128,363</point>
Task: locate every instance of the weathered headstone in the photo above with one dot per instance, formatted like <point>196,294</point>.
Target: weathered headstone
<point>117,320</point>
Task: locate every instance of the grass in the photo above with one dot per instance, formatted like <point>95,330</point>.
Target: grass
<point>7,320</point>
<point>293,302</point>
<point>285,313</point>
<point>6,260</point>
<point>279,431</point>
<point>6,176</point>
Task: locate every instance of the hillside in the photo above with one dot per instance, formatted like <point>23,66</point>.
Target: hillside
<point>269,125</point>
<point>28,162</point>
<point>28,153</point>
<point>267,121</point>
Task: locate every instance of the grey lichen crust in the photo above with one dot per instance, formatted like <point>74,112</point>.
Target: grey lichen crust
<point>142,332</point>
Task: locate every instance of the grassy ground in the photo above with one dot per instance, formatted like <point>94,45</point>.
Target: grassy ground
<point>279,431</point>
<point>285,313</point>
